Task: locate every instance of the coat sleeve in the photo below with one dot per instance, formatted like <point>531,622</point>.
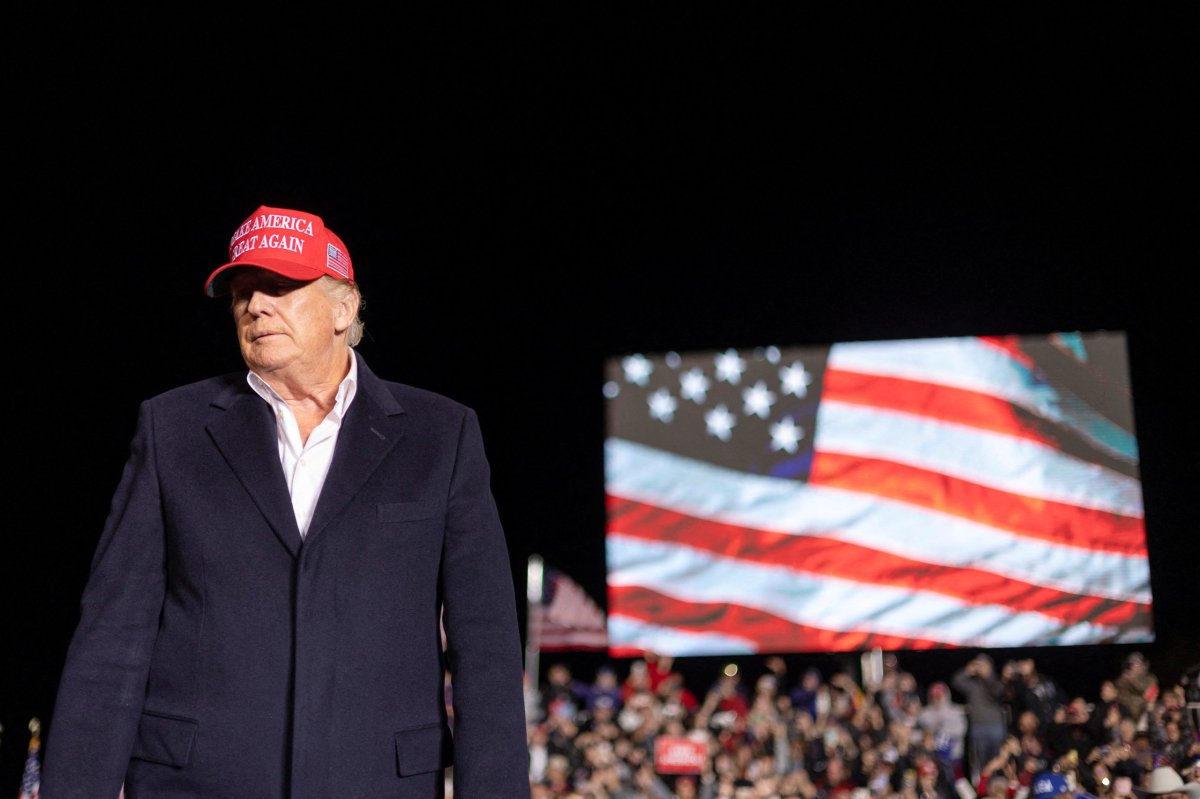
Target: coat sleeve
<point>103,683</point>
<point>483,647</point>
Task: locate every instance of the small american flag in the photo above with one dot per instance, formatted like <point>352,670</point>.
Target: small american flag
<point>974,491</point>
<point>566,619</point>
<point>337,260</point>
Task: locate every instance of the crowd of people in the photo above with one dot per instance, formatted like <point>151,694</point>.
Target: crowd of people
<point>1000,732</point>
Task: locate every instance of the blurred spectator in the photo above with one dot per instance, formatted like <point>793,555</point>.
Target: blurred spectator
<point>983,693</point>
<point>558,693</point>
<point>804,695</point>
<point>1006,764</point>
<point>1034,691</point>
<point>835,782</point>
<point>605,685</point>
<point>1166,782</point>
<point>999,786</point>
<point>726,700</point>
<point>930,782</point>
<point>1137,686</point>
<point>1175,748</point>
<point>658,668</point>
<point>948,723</point>
<point>637,681</point>
<point>1107,714</point>
<point>1070,731</point>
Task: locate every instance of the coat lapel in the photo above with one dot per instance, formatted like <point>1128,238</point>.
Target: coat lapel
<point>245,435</point>
<point>372,427</point>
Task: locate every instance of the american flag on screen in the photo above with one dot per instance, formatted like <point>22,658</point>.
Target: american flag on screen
<point>566,619</point>
<point>909,494</point>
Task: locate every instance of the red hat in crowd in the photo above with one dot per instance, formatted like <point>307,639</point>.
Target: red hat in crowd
<point>291,243</point>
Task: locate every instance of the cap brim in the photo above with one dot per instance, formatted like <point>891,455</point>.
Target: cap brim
<point>218,282</point>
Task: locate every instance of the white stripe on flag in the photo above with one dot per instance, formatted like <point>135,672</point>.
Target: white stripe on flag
<point>695,488</point>
<point>974,365</point>
<point>693,575</point>
<point>1016,465</point>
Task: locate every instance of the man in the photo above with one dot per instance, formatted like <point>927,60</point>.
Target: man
<point>262,614</point>
<point>1164,782</point>
<point>987,724</point>
<point>1137,686</point>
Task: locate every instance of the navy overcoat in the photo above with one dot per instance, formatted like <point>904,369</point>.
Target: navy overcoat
<point>220,655</point>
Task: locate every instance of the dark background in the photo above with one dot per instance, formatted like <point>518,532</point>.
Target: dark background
<point>525,194</point>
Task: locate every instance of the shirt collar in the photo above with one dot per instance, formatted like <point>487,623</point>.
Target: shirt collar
<point>345,393</point>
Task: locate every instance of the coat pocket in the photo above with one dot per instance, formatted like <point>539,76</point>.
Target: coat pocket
<point>165,739</point>
<point>426,748</point>
<point>407,511</point>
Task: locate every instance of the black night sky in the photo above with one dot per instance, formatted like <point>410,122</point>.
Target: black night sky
<point>526,195</point>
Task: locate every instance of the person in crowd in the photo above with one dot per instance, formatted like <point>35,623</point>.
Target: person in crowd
<point>1107,714</point>
<point>605,686</point>
<point>1033,691</point>
<point>835,782</point>
<point>947,720</point>
<point>1137,686</point>
<point>805,695</point>
<point>1121,788</point>
<point>1005,763</point>
<point>987,722</point>
<point>1175,748</point>
<point>931,783</point>
<point>1164,782</point>
<point>1070,731</point>
<point>559,696</point>
<point>999,786</point>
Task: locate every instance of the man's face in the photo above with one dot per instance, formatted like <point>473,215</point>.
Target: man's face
<point>283,323</point>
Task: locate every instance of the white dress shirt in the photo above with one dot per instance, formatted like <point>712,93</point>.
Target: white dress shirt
<point>306,464</point>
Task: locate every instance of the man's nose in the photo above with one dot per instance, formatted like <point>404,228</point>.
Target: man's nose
<point>260,302</point>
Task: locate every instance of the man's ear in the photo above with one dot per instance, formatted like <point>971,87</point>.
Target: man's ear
<point>344,312</point>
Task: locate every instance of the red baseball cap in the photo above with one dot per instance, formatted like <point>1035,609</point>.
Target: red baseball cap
<point>292,243</point>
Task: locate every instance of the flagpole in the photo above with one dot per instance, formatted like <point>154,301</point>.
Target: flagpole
<point>534,576</point>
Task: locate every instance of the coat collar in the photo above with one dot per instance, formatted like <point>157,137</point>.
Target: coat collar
<point>245,435</point>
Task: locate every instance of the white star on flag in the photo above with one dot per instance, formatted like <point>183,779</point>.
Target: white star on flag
<point>786,435</point>
<point>720,422</point>
<point>663,405</point>
<point>637,369</point>
<point>693,385</point>
<point>795,380</point>
<point>730,367</point>
<point>758,400</point>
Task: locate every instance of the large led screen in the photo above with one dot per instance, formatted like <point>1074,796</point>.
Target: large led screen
<point>942,492</point>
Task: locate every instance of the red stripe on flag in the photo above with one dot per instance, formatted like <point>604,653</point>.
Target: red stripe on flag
<point>944,403</point>
<point>828,557</point>
<point>1044,519</point>
<point>769,632</point>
